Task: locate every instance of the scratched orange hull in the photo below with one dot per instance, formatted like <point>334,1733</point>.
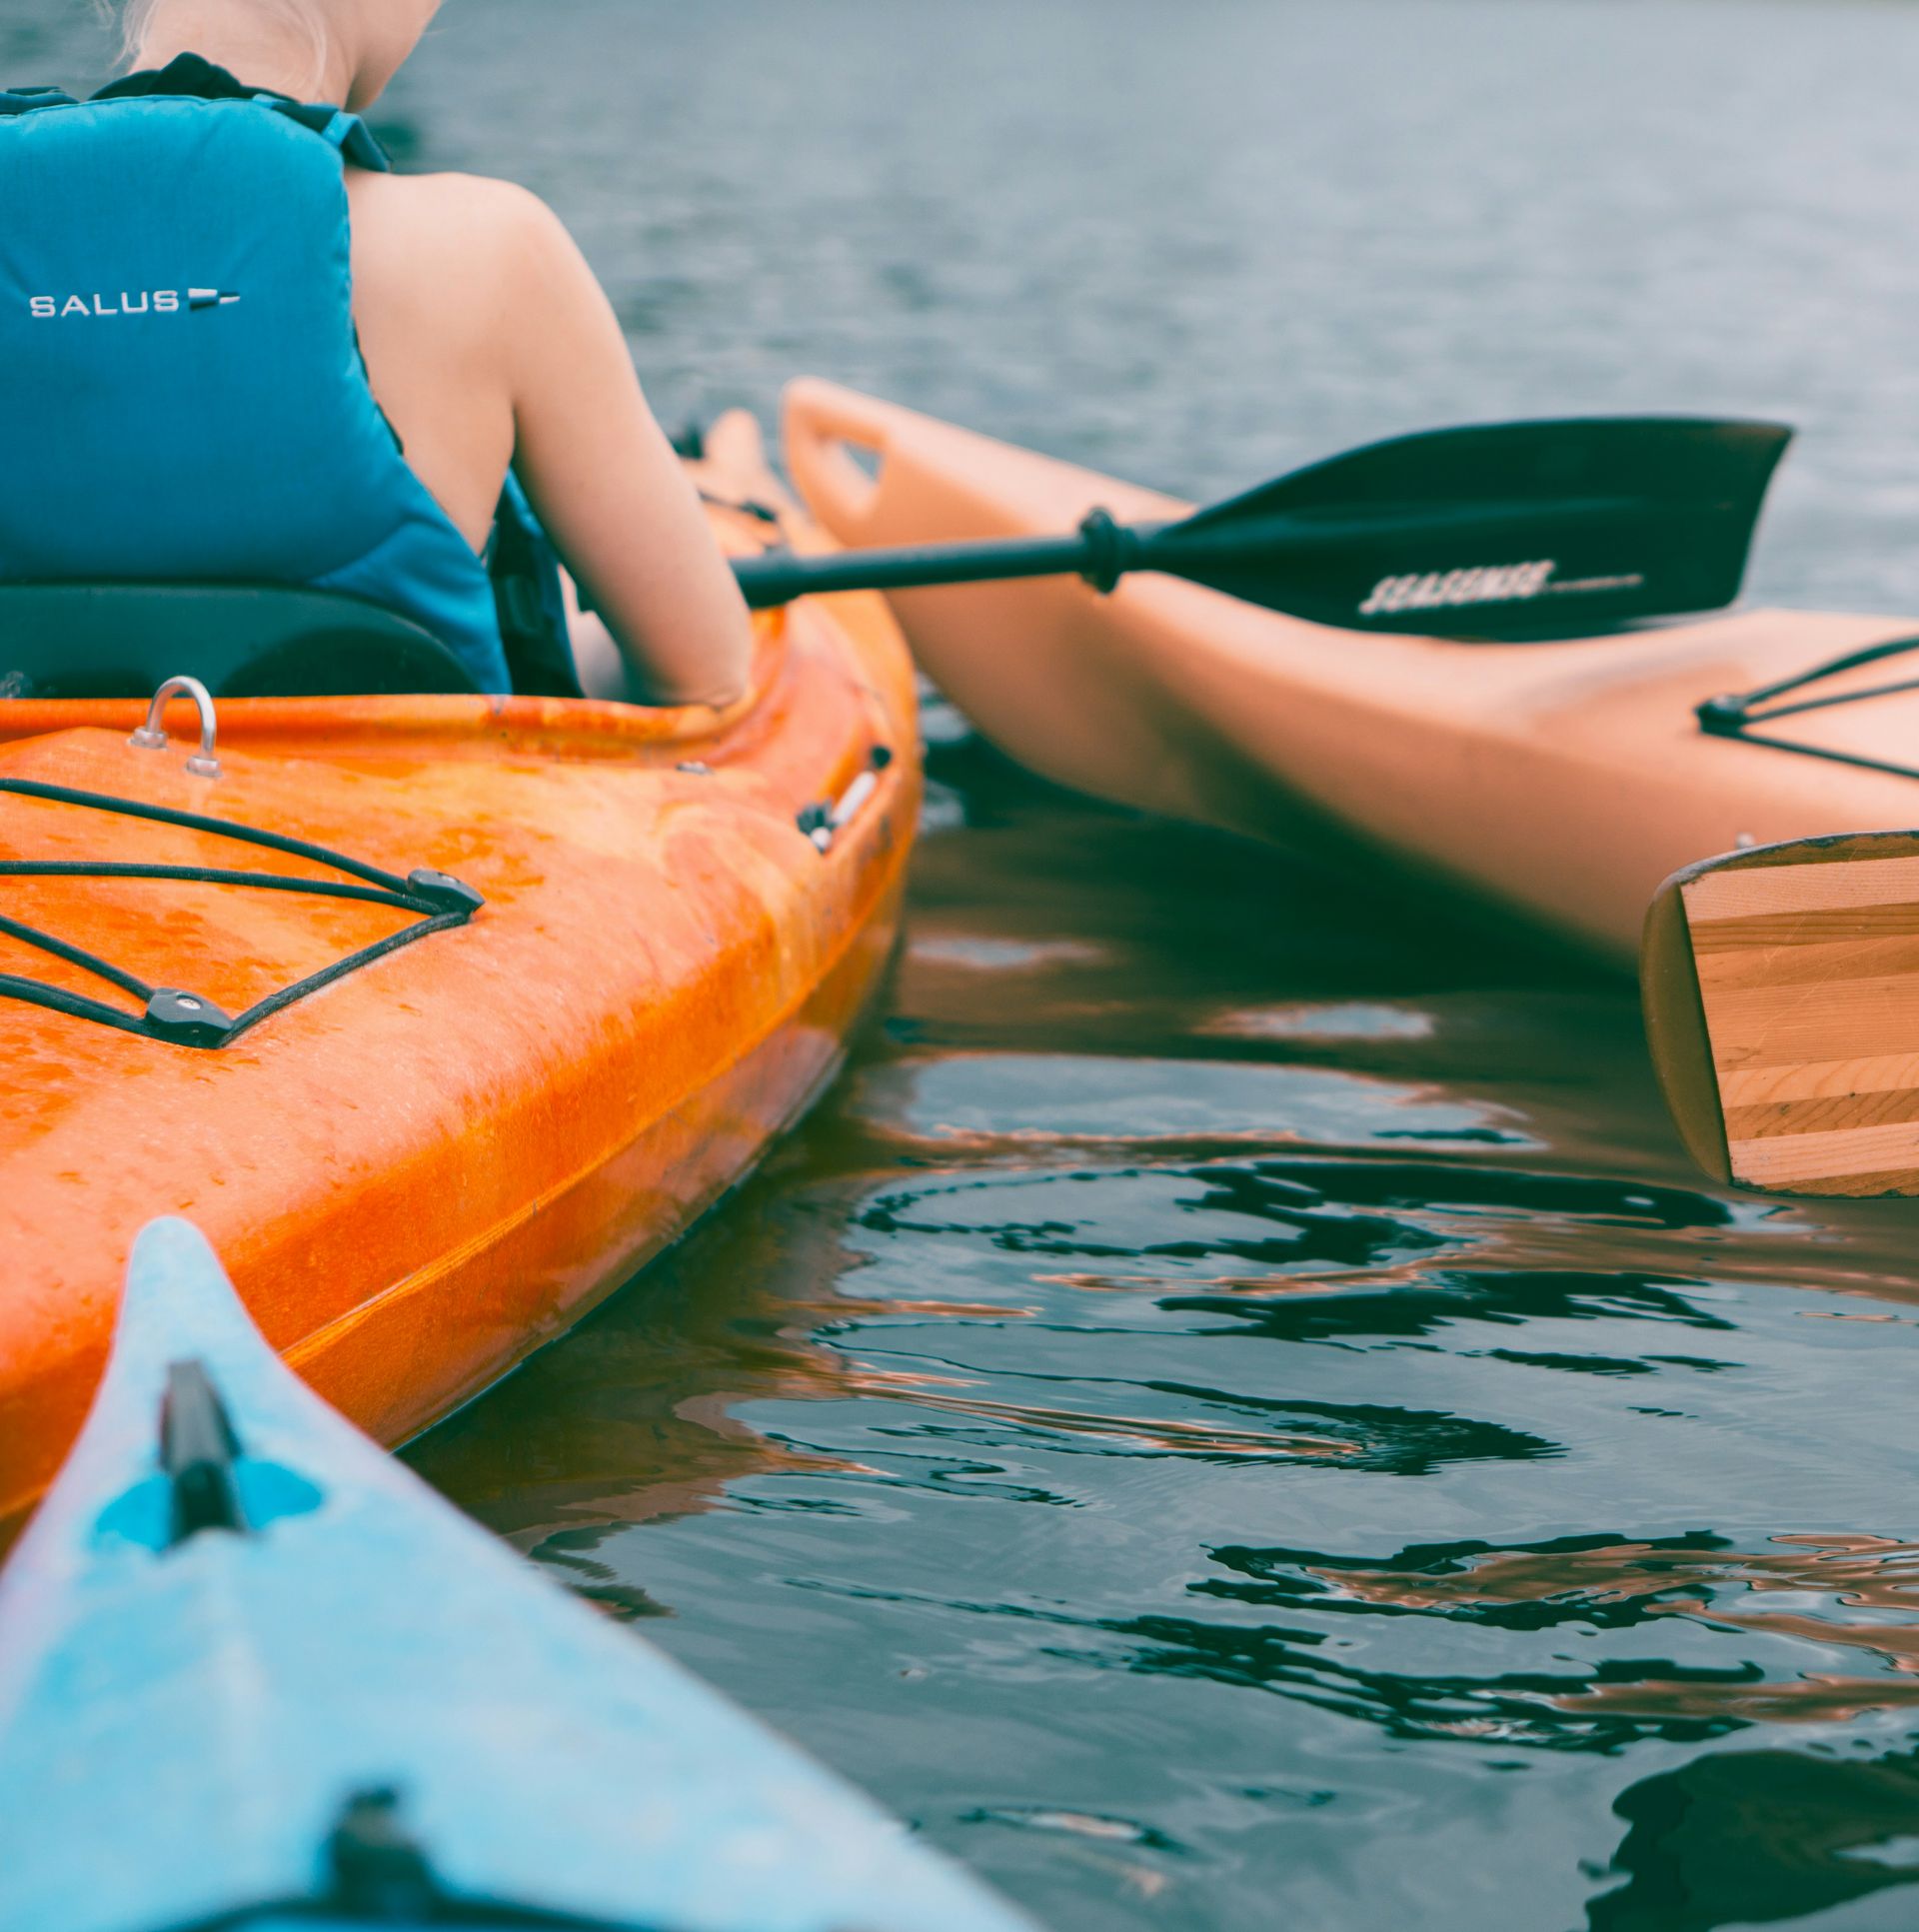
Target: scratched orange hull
<point>428,1168</point>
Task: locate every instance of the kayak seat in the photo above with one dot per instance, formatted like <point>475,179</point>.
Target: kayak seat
<point>240,640</point>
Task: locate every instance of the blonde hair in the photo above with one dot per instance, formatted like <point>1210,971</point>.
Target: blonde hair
<point>137,15</point>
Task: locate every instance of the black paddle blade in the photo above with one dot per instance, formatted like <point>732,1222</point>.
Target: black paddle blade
<point>1511,530</point>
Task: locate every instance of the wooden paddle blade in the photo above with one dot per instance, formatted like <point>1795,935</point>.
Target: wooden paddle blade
<point>1781,992</point>
<point>1503,531</point>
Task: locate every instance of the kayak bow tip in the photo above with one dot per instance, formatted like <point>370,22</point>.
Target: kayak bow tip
<point>178,1304</point>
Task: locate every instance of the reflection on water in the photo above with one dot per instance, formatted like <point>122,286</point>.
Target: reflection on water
<point>1236,1414</point>
<point>1762,1837</point>
<point>1355,1021</point>
<point>980,1099</point>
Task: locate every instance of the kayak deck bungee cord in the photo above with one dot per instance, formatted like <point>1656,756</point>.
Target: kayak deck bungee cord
<point>1557,778</point>
<point>190,1020</point>
<point>1737,715</point>
<point>288,1686</point>
<point>571,966</point>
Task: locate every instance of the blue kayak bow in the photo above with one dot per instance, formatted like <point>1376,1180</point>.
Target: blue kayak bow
<point>256,1674</point>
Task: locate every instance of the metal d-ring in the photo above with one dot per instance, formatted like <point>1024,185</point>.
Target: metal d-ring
<point>152,736</point>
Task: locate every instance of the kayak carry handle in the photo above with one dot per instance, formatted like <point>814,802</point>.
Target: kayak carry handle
<point>152,736</point>
<point>823,820</point>
<point>198,1448</point>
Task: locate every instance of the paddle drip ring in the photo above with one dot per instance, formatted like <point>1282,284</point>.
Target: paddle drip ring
<point>1112,551</point>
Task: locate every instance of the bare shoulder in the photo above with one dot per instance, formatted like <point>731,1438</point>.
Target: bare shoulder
<point>453,219</point>
<point>480,199</point>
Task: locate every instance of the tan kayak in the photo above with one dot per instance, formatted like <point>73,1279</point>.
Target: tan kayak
<point>1561,781</point>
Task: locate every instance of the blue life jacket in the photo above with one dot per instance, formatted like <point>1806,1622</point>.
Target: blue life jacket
<point>183,389</point>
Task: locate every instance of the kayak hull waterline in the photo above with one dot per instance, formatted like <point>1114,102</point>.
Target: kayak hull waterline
<point>1560,780</point>
<point>431,1166</point>
<point>286,1684</point>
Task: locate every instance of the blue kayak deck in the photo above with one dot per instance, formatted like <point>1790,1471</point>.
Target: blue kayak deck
<point>195,1716</point>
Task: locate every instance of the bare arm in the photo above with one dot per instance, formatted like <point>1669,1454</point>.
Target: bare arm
<point>607,485</point>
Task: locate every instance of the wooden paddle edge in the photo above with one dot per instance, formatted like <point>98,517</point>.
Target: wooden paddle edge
<point>1675,1014</point>
<point>1675,1021</point>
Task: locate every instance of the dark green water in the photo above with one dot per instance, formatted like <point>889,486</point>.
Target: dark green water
<point>1235,1414</point>
<point>1229,1418</point>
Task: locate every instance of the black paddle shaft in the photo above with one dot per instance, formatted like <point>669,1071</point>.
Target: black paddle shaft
<point>1506,530</point>
<point>777,577</point>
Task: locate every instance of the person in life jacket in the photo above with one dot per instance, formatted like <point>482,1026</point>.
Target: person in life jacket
<point>239,349</point>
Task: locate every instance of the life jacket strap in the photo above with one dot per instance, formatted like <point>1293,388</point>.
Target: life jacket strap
<point>531,605</point>
<point>24,100</point>
<point>336,126</point>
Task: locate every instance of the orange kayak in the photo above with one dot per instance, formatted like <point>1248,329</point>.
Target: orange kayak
<point>1561,781</point>
<point>567,969</point>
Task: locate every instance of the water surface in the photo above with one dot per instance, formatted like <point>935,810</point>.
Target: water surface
<point>1235,1413</point>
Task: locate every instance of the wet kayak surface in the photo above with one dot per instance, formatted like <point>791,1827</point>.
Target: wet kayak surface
<point>1235,1412</point>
